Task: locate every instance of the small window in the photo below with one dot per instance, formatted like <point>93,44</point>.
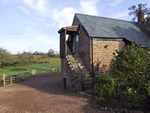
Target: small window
<point>77,38</point>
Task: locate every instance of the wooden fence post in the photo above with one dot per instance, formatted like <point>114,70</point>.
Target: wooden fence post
<point>3,79</point>
<point>23,76</point>
<point>33,72</point>
<point>50,72</point>
<point>53,70</point>
<point>16,78</point>
<point>11,79</point>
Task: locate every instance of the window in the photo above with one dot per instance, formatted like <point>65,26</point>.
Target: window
<point>77,38</point>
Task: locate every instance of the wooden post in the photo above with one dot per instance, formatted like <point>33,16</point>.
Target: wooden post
<point>97,64</point>
<point>50,72</point>
<point>23,77</point>
<point>11,79</point>
<point>16,79</point>
<point>3,79</point>
<point>33,72</point>
<point>52,69</point>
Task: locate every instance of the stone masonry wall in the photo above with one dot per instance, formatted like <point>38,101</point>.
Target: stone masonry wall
<point>105,55</point>
<point>83,45</point>
<point>65,69</point>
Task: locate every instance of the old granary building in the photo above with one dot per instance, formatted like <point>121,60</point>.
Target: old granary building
<point>94,38</point>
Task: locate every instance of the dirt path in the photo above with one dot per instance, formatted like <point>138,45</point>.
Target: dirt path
<point>42,94</point>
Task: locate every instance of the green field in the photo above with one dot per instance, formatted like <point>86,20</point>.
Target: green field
<point>13,70</point>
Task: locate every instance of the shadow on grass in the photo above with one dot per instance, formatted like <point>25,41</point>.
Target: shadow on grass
<point>18,69</point>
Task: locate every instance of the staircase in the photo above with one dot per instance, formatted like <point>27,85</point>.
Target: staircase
<point>77,68</point>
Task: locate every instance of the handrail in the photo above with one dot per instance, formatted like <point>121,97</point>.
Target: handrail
<point>76,62</point>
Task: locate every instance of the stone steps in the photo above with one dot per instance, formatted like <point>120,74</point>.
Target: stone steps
<point>76,66</point>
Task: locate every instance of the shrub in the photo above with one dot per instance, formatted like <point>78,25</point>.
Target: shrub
<point>104,89</point>
<point>132,66</point>
<point>131,96</point>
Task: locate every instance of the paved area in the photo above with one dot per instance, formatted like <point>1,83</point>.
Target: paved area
<point>42,94</point>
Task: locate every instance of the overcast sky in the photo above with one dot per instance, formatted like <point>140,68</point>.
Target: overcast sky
<point>35,23</point>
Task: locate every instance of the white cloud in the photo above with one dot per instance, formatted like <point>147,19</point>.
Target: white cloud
<point>89,6</point>
<point>54,24</point>
<point>5,1</point>
<point>43,19</point>
<point>48,25</point>
<point>36,19</point>
<point>46,40</point>
<point>120,15</point>
<point>41,6</point>
<point>64,17</point>
<point>116,2</point>
<point>35,23</point>
<point>29,2</point>
<point>24,10</point>
<point>15,46</point>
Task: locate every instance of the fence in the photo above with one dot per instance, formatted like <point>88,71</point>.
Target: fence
<point>21,77</point>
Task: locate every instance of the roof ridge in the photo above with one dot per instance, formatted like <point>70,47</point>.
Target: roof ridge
<point>104,17</point>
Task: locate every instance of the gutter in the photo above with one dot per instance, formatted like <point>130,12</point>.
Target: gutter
<point>92,53</point>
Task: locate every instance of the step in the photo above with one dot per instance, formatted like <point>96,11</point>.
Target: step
<point>72,58</point>
<point>68,56</point>
<point>82,67</point>
<point>77,71</point>
<point>75,68</point>
<point>72,61</point>
<point>74,64</point>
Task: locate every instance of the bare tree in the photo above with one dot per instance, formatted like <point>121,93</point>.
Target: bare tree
<point>136,10</point>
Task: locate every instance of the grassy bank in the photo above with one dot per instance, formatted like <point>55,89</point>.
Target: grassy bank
<point>13,70</point>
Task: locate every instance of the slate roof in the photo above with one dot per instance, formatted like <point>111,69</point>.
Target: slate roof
<point>113,28</point>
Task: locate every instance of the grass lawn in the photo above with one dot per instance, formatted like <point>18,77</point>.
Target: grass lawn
<point>12,70</point>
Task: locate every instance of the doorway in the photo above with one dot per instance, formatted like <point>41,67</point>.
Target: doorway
<point>64,83</point>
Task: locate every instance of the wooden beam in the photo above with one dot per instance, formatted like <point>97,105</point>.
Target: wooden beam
<point>65,42</point>
<point>69,28</point>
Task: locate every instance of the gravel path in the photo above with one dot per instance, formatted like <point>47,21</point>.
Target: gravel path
<point>42,94</point>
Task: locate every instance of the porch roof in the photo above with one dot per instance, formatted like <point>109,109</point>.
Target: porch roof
<point>69,28</point>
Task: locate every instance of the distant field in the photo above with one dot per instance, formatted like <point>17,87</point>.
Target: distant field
<point>12,70</point>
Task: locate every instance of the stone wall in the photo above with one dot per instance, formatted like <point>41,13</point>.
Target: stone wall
<point>105,55</point>
<point>83,45</point>
<point>66,72</point>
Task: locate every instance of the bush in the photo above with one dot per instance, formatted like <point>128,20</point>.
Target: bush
<point>132,66</point>
<point>131,96</point>
<point>105,89</point>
